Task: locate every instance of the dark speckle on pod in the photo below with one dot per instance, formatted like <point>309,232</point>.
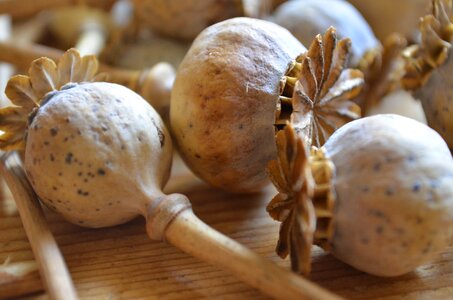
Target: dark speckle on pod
<point>53,131</point>
<point>410,203</point>
<point>379,229</point>
<point>377,167</point>
<point>68,158</point>
<point>94,178</point>
<point>416,187</point>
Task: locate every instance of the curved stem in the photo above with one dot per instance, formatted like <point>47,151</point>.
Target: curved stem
<point>141,81</point>
<point>194,237</point>
<point>92,40</point>
<point>28,8</point>
<point>50,261</point>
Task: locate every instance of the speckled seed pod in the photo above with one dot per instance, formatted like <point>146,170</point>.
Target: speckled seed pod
<point>224,101</point>
<point>394,191</point>
<point>185,19</point>
<point>307,18</point>
<point>104,149</point>
<point>383,194</point>
<point>95,141</point>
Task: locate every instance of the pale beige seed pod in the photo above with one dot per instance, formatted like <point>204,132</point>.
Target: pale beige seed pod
<point>307,18</point>
<point>85,135</point>
<point>88,188</point>
<point>382,187</point>
<point>395,176</point>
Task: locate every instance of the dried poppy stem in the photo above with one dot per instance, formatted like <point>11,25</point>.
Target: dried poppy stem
<point>26,8</point>
<point>186,232</point>
<point>87,29</point>
<point>147,82</point>
<point>54,272</point>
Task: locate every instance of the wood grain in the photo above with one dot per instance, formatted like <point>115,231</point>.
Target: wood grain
<point>49,259</point>
<point>122,263</point>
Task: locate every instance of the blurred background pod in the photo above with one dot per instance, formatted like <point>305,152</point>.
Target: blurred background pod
<point>428,68</point>
<point>388,16</point>
<point>307,18</point>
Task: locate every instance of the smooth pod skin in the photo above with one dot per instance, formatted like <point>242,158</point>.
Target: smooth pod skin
<point>399,102</point>
<point>394,193</point>
<point>148,53</point>
<point>96,152</point>
<point>389,16</point>
<point>224,99</point>
<point>307,18</point>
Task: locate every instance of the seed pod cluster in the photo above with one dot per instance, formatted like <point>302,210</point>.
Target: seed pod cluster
<point>241,80</point>
<point>254,103</point>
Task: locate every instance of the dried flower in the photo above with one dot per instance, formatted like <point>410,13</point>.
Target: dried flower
<point>383,69</point>
<point>436,35</point>
<point>305,200</point>
<point>28,93</point>
<point>318,88</point>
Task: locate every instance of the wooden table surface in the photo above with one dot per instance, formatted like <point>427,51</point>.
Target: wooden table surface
<point>122,263</point>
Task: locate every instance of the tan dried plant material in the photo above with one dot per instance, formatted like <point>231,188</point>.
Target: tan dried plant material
<point>436,35</point>
<point>305,200</point>
<point>317,90</point>
<point>12,270</point>
<point>28,93</point>
<point>383,69</point>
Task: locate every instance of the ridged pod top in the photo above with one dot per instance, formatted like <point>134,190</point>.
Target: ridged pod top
<point>317,89</point>
<point>436,36</point>
<point>28,93</point>
<point>305,200</point>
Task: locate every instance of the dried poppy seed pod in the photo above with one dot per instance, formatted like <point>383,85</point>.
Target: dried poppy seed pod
<point>429,67</point>
<point>388,16</point>
<point>106,155</point>
<point>243,78</point>
<point>225,89</point>
<point>307,18</point>
<point>185,19</point>
<point>382,187</point>
<point>86,165</point>
<point>85,135</point>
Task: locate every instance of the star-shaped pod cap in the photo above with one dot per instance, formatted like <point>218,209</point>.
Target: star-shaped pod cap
<point>317,90</point>
<point>436,36</point>
<point>305,200</point>
<point>28,93</point>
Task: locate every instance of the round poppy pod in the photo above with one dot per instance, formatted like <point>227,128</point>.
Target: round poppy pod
<point>224,101</point>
